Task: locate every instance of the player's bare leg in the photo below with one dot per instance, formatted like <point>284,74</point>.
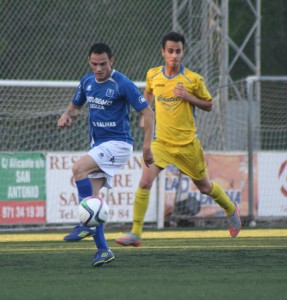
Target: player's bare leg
<point>140,206</point>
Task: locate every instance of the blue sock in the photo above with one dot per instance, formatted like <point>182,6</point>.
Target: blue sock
<point>99,238</point>
<point>85,189</point>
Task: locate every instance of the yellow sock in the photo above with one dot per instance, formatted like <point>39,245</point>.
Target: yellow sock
<point>219,196</point>
<point>140,208</point>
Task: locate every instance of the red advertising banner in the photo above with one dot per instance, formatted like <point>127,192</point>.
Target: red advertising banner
<point>22,212</point>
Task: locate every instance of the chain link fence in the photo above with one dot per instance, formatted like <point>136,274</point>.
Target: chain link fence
<point>49,40</point>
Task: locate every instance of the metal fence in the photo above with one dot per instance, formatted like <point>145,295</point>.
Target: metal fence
<point>49,40</point>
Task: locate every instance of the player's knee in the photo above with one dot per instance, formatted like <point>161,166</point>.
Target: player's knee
<point>77,171</point>
<point>205,189</point>
<point>146,184</point>
<point>204,185</point>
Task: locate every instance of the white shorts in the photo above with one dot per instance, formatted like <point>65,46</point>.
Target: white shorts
<point>110,157</point>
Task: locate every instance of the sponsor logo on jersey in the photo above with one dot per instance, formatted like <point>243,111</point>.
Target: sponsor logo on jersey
<point>161,98</point>
<point>98,103</point>
<point>159,85</point>
<point>104,124</point>
<point>168,103</point>
<point>89,88</point>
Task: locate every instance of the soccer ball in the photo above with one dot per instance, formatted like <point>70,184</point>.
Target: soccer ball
<point>93,211</point>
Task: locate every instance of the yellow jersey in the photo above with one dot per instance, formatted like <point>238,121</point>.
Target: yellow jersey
<point>175,117</point>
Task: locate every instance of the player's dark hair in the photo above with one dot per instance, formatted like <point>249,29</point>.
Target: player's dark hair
<point>100,48</point>
<point>174,37</point>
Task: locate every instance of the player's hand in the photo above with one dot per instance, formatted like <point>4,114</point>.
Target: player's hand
<point>65,121</point>
<point>181,92</point>
<point>148,157</point>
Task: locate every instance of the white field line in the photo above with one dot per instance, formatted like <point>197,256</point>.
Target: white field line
<point>198,234</point>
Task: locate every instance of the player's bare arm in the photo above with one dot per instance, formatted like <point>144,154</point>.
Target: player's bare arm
<point>149,98</point>
<point>201,104</point>
<point>148,117</point>
<point>66,119</point>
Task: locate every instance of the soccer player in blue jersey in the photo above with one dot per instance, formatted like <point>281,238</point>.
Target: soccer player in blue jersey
<point>109,95</point>
<point>177,92</point>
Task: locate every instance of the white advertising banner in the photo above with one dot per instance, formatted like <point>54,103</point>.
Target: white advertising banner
<point>272,184</point>
<point>62,199</point>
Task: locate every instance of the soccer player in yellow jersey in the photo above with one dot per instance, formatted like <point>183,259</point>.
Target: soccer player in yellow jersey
<point>177,92</point>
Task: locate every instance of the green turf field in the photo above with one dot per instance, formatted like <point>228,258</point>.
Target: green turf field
<point>177,265</point>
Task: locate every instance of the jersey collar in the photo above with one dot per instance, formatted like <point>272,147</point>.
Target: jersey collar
<point>109,78</point>
<point>170,77</point>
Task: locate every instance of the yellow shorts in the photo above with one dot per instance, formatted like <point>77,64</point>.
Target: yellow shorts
<point>189,159</point>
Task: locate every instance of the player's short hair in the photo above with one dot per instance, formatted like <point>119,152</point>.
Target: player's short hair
<point>174,37</point>
<point>99,48</point>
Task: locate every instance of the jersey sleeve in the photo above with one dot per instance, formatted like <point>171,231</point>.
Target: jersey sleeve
<point>148,86</point>
<point>134,96</point>
<point>201,90</point>
<point>79,98</point>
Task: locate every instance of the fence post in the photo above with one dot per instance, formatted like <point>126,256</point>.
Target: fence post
<point>250,80</point>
